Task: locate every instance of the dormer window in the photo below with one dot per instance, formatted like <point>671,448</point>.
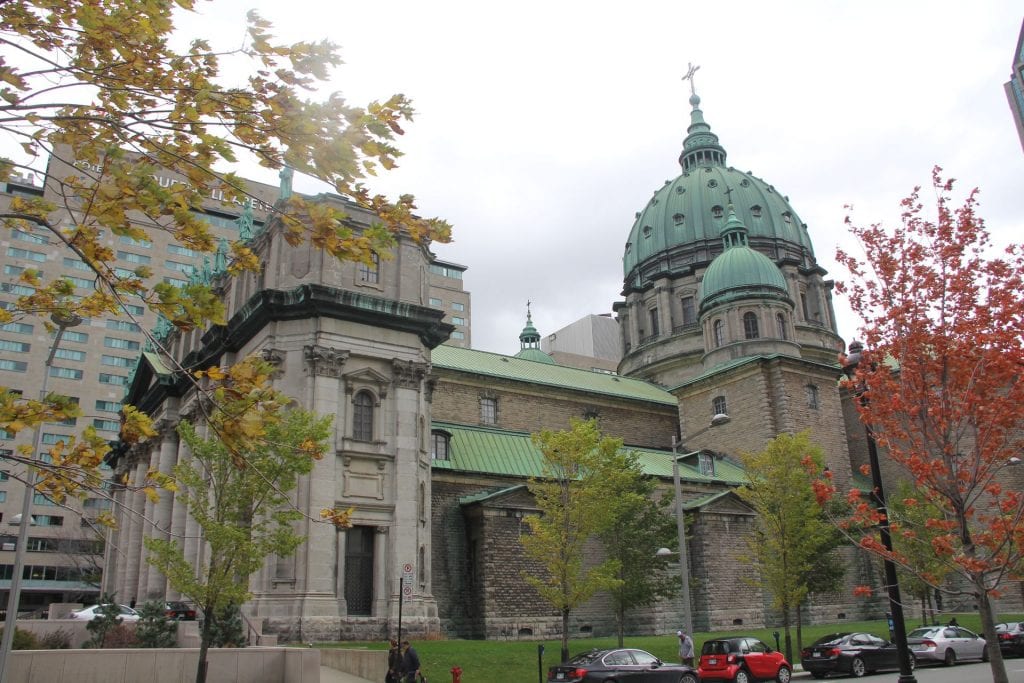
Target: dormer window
<point>717,212</point>
<point>706,462</point>
<point>678,218</point>
<point>755,211</point>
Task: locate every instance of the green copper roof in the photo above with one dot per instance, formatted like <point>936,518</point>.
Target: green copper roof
<point>739,271</point>
<point>525,370</point>
<point>496,452</point>
<point>529,341</point>
<point>691,208</point>
<point>536,355</point>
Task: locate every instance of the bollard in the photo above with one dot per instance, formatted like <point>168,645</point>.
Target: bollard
<point>456,675</point>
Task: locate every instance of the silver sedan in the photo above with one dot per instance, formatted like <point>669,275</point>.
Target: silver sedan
<point>946,644</point>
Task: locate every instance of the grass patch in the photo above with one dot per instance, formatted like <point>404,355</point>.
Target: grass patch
<point>515,661</point>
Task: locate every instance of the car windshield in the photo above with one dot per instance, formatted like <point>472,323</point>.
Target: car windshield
<point>586,657</point>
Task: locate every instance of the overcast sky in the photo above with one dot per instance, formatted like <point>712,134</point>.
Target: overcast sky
<point>543,127</point>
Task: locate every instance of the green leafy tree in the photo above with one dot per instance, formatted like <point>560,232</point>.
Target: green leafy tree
<point>235,485</point>
<point>226,628</point>
<point>925,572</point>
<point>100,88</point>
<point>108,618</point>
<point>638,526</point>
<point>153,628</point>
<point>793,533</point>
<point>572,497</point>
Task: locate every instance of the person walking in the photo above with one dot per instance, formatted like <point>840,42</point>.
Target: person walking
<point>410,663</point>
<point>394,663</point>
<point>685,648</point>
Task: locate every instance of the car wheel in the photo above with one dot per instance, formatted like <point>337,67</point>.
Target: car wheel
<point>688,678</point>
<point>950,658</point>
<point>784,674</point>
<point>857,668</point>
<point>742,677</point>
<point>913,662</point>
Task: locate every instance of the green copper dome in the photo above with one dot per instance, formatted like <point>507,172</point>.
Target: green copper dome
<point>688,213</point>
<point>739,271</point>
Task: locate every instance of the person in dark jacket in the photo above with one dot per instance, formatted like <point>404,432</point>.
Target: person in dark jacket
<point>394,663</point>
<point>410,663</point>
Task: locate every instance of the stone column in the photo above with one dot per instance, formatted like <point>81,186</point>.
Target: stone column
<point>163,509</point>
<point>178,517</point>
<point>339,587</point>
<point>381,585</point>
<point>133,548</point>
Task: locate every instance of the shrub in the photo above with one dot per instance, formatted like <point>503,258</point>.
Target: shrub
<point>154,629</point>
<point>121,636</point>
<point>23,640</point>
<point>108,616</point>
<point>56,640</point>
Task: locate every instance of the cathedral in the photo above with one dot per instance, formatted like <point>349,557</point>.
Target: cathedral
<point>728,338</point>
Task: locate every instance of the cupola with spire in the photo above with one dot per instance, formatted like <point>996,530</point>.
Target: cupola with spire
<point>529,342</point>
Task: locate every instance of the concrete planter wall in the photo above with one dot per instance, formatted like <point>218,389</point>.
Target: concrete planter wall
<point>241,665</point>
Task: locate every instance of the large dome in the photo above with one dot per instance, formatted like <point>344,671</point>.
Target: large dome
<point>692,209</point>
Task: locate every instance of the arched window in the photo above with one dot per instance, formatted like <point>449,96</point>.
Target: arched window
<point>362,416</point>
<point>750,330</point>
<point>440,442</point>
<point>780,324</point>
<point>718,328</point>
<point>719,406</point>
<point>812,397</point>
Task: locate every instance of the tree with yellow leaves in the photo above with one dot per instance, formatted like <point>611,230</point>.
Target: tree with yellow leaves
<point>98,86</point>
<point>243,461</point>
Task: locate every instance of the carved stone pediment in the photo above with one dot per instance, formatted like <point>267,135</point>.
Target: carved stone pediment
<point>367,378</point>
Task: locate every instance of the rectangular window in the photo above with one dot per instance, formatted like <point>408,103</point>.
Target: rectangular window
<point>132,309</point>
<point>3,496</point>
<point>15,346</point>
<point>125,239</point>
<point>96,504</point>
<point>107,425</point>
<point>129,257</point>
<point>15,252</point>
<point>370,272</point>
<point>453,273</point>
<point>13,365</point>
<point>437,303</point>
<point>118,380</point>
<point>48,520</point>
<point>116,343</point>
<point>72,336</point>
<point>29,237</point>
<point>108,406</point>
<point>123,326</point>
<point>11,269</point>
<point>689,310</point>
<point>456,306</point>
<point>6,434</point>
<point>17,328</point>
<point>124,273</point>
<point>83,282</point>
<point>489,411</point>
<point>118,361</point>
<point>655,323</point>
<point>50,438</point>
<point>179,250</point>
<point>458,321</point>
<point>175,282</point>
<point>69,354</point>
<point>185,268</point>
<point>41,499</point>
<point>458,335</point>
<point>5,453</point>
<point>65,373</point>
<point>76,264</point>
<point>707,464</point>
<point>14,288</point>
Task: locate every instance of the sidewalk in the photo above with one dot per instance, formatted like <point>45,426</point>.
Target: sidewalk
<point>329,675</point>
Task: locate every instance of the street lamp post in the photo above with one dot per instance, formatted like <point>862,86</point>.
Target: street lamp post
<point>14,594</point>
<point>899,627</point>
<point>684,564</point>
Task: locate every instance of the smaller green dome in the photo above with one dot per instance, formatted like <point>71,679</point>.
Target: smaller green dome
<point>536,355</point>
<point>740,272</point>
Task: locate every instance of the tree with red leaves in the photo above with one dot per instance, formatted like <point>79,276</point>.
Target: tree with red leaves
<point>943,313</point>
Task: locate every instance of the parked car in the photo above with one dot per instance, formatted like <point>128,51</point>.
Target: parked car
<point>946,644</point>
<point>1011,638</point>
<point>850,653</point>
<point>627,663</point>
<point>742,660</point>
<point>89,613</point>
<point>181,611</point>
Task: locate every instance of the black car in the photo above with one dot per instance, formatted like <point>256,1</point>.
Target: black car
<point>1011,638</point>
<point>181,611</point>
<point>855,654</point>
<point>610,665</point>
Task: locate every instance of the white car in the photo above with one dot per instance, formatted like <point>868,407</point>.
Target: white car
<point>90,613</point>
<point>946,644</point>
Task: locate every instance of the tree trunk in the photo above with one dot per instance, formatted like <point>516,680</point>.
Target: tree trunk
<point>204,647</point>
<point>788,637</point>
<point>565,635</point>
<point>799,631</point>
<point>620,615</point>
<point>988,628</point>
